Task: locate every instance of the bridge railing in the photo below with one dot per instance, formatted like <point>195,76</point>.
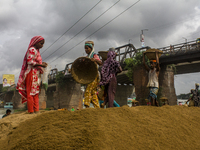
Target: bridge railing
<point>182,47</point>
<point>129,51</point>
<point>123,52</point>
<point>52,74</point>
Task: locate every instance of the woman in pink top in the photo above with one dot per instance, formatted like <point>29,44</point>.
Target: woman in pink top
<point>29,80</point>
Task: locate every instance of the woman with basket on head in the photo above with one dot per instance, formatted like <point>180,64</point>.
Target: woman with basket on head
<point>90,95</point>
<point>29,80</point>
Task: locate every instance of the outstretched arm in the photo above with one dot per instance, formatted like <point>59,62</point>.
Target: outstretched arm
<point>120,69</point>
<point>145,65</point>
<point>158,63</point>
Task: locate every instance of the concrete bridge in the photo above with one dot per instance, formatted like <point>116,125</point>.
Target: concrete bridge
<point>185,56</point>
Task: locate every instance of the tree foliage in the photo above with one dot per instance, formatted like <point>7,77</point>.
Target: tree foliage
<point>60,79</point>
<point>132,63</point>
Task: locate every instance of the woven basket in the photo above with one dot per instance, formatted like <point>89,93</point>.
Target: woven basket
<point>84,70</point>
<point>103,54</point>
<point>151,53</point>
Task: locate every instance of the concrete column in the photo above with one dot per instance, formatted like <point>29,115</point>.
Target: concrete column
<point>122,93</point>
<point>166,82</point>
<point>68,95</point>
<point>17,101</point>
<point>8,96</point>
<point>140,80</point>
<point>42,99</point>
<point>50,93</point>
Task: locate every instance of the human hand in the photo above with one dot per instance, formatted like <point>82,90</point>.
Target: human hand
<point>44,64</point>
<point>92,59</point>
<point>40,69</point>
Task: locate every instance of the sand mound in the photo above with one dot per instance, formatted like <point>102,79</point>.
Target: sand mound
<point>11,122</point>
<point>142,127</point>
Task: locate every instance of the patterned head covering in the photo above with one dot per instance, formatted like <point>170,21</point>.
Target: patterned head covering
<point>22,76</point>
<point>91,45</point>
<point>109,69</point>
<point>153,61</point>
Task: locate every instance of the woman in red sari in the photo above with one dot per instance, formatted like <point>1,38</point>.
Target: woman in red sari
<point>29,80</point>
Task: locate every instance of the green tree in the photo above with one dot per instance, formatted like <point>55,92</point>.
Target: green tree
<point>131,63</point>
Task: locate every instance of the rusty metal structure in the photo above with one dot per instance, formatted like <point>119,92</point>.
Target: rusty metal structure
<point>129,51</point>
<point>182,47</point>
<point>123,52</point>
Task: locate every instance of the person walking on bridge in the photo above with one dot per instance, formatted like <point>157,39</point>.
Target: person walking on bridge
<point>29,80</point>
<point>153,84</point>
<point>90,95</point>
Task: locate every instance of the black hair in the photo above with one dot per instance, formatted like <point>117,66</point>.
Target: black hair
<point>8,110</point>
<point>4,79</point>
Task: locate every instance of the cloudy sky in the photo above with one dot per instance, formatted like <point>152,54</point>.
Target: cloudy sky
<point>167,23</point>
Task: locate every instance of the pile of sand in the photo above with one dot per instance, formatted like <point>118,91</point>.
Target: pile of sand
<point>142,127</point>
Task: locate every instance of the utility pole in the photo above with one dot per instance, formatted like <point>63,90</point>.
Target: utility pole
<point>142,38</point>
<point>185,42</point>
<point>185,39</point>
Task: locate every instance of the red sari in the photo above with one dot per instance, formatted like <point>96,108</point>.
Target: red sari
<point>29,80</point>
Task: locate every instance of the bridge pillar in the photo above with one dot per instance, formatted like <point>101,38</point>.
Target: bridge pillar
<point>140,80</point>
<point>122,92</point>
<point>42,99</point>
<point>15,97</point>
<point>68,95</point>
<point>17,101</point>
<point>8,96</point>
<point>166,82</point>
<point>50,99</point>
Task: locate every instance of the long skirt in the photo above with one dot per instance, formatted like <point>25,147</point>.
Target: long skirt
<point>90,95</point>
<point>32,100</point>
<point>110,90</point>
<point>115,104</point>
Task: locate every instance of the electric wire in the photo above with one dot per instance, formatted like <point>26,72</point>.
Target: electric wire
<point>71,26</point>
<point>97,30</point>
<point>81,30</point>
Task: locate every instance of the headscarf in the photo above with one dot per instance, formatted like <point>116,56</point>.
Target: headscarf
<point>90,44</point>
<point>109,68</point>
<point>153,61</point>
<point>21,86</point>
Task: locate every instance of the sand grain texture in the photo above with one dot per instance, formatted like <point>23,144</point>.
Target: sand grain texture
<point>142,127</point>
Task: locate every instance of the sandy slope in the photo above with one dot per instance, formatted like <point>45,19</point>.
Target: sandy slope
<point>142,127</point>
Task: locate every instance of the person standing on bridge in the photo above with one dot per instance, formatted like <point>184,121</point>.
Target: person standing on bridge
<point>153,84</point>
<point>109,71</point>
<point>29,80</point>
<point>90,95</point>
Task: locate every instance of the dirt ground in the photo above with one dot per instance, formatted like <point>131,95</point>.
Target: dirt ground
<point>123,128</point>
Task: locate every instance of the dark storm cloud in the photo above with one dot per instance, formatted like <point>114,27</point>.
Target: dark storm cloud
<point>167,21</point>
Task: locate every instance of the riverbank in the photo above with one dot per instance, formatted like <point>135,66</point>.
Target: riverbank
<point>141,127</point>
